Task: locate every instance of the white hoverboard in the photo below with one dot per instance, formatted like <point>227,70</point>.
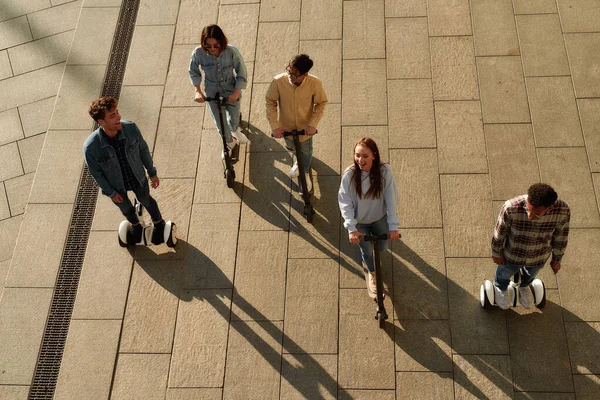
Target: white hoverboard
<point>487,294</point>
<point>167,237</point>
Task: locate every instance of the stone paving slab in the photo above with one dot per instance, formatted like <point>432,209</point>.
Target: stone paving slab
<point>157,12</point>
<point>327,57</point>
<point>273,10</point>
<point>240,22</point>
<point>53,20</point>
<point>579,15</point>
<point>586,386</point>
<point>422,346</point>
<point>276,44</point>
<point>146,40</point>
<point>193,15</point>
<point>426,385</point>
<point>14,392</point>
<point>309,376</point>
<point>368,93</point>
<point>4,207</point>
<point>407,48</point>
<point>193,393</point>
<point>589,110</point>
<point>10,126</point>
<point>584,61</point>
<point>5,68</point>
<point>367,394</point>
<point>584,355</point>
<point>9,231</point>
<point>483,376</point>
<point>363,28</point>
<point>178,90</point>
<point>30,150</point>
<point>494,30</point>
<point>36,116</point>
<point>17,192</point>
<point>16,8</point>
<point>10,164</point>
<point>535,6</point>
<point>317,24</point>
<point>453,69</point>
<point>41,84</point>
<point>401,8</point>
<point>327,144</point>
<point>14,32</point>
<point>449,17</point>
<point>86,48</point>
<point>141,376</point>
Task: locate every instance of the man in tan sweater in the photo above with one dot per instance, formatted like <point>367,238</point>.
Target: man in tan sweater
<point>301,101</point>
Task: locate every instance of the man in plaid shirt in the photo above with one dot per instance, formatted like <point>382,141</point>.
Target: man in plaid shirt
<point>530,228</point>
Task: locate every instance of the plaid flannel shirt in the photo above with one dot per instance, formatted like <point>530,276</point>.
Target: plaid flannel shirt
<point>526,242</point>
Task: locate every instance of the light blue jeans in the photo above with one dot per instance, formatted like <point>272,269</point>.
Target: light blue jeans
<point>506,271</point>
<point>306,149</point>
<point>231,117</point>
<point>366,248</point>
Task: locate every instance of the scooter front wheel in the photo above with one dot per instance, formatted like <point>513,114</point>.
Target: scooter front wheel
<point>381,318</point>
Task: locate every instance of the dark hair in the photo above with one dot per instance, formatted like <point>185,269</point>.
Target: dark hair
<point>374,174</point>
<point>541,194</point>
<point>213,32</point>
<point>302,63</point>
<point>101,105</point>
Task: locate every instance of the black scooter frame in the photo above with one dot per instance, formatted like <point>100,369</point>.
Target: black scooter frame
<point>381,314</point>
<point>228,172</point>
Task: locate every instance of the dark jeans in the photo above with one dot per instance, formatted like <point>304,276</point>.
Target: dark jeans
<point>142,193</point>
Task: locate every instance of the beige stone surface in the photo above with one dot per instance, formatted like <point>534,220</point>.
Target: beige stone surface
<point>178,90</point>
<point>37,257</point>
<point>107,216</point>
<point>568,172</point>
<point>10,162</point>
<point>141,376</point>
<point>364,26</point>
<point>586,386</point>
<point>535,6</point>
<point>424,385</point>
<point>317,24</point>
<point>460,138</point>
<point>305,376</point>
<point>402,8</point>
<point>88,359</point>
<point>157,12</point>
<point>4,266</point>
<point>502,88</point>
<point>367,394</point>
<point>4,207</point>
<point>194,393</point>
<point>39,84</point>
<point>327,57</point>
<point>327,144</point>
<point>410,113</point>
<point>10,126</point>
<point>14,392</point>
<point>368,93</point>
<point>86,48</point>
<point>240,24</point>
<point>352,134</point>
<point>494,30</point>
<point>40,53</point>
<point>5,68</point>
<point>512,178</point>
<point>9,231</point>
<point>17,192</point>
<point>16,8</point>
<point>584,62</point>
<point>155,40</point>
<point>104,280</point>
<point>276,44</point>
<point>54,20</point>
<point>422,346</point>
<point>261,261</point>
<point>199,354</point>
<point>449,17</point>
<point>259,126</point>
<point>589,112</point>
<point>483,376</point>
<point>407,48</point>
<point>14,32</point>
<point>544,396</point>
<point>360,365</point>
<point>253,360</point>
<point>579,15</point>
<point>310,307</point>
<point>141,104</point>
<point>193,15</point>
<point>279,11</point>
<point>23,313</point>
<point>35,116</point>
<point>453,68</point>
<point>474,330</point>
<point>583,352</point>
<point>30,150</point>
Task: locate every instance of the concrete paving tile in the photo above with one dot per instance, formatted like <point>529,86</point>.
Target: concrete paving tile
<point>410,113</point>
<point>542,45</point>
<point>544,396</point>
<point>482,376</point>
<point>502,88</point>
<point>261,261</point>
<point>474,330</point>
<point>460,138</point>
<point>279,11</point>
<point>540,366</point>
<point>80,85</point>
<point>401,8</point>
<point>589,111</point>
<point>23,313</point>
<point>578,297</point>
<point>199,354</point>
<point>494,28</point>
<point>239,1</point>
<point>40,53</point>
<point>179,92</point>
<point>362,366</point>
<point>259,127</point>
<point>277,43</point>
<point>193,16</point>
<point>156,40</point>
<point>266,201</point>
<point>10,126</point>
<point>596,179</point>
<point>453,68</point>
<point>4,266</point>
<point>194,393</point>
<point>327,144</point>
<point>141,376</point>
<point>10,162</point>
<point>422,346</point>
<point>567,170</point>
<point>420,284</point>
<point>86,48</point>
<point>5,68</point>
<point>586,386</point>
<point>368,394</point>
<point>311,310</point>
<point>30,150</point>
<point>9,231</point>
<point>368,93</point>
<point>253,360</point>
<point>107,216</point>
<point>14,392</point>
<point>407,48</point>
<point>141,104</point>
<point>554,112</point>
<point>584,62</point>
<point>4,207</point>
<point>35,116</point>
<point>30,87</point>
<point>36,258</point>
<point>14,32</point>
<point>17,191</point>
<point>16,8</point>
<point>352,134</point>
<point>511,179</point>
<point>426,385</point>
<point>363,28</point>
<point>449,18</point>
<point>309,376</point>
<point>95,3</point>
<point>327,57</point>
<point>240,22</point>
<point>535,6</point>
<point>104,281</point>
<point>210,258</point>
<point>53,20</point>
<point>88,359</point>
<point>151,311</point>
<point>579,15</point>
<point>157,12</point>
<point>317,24</point>
<point>177,143</point>
<point>581,337</point>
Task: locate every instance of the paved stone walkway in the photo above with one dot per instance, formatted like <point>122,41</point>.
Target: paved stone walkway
<point>470,102</point>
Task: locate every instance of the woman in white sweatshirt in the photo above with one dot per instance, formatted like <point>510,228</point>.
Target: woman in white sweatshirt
<point>368,200</point>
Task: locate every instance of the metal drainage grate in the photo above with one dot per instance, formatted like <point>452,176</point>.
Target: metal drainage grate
<point>63,298</point>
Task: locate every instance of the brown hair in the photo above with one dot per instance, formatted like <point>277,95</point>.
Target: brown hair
<point>100,106</point>
<point>213,32</point>
<point>374,174</point>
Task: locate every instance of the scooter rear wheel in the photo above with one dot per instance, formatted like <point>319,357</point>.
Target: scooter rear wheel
<point>230,177</point>
<point>172,239</point>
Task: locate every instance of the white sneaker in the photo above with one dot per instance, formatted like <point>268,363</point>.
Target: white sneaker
<point>372,282</point>
<point>240,137</point>
<point>309,185</point>
<point>294,173</point>
<point>525,297</point>
<point>502,298</point>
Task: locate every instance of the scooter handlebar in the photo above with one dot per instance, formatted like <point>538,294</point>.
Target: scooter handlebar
<point>373,238</point>
<point>217,99</point>
<point>294,133</point>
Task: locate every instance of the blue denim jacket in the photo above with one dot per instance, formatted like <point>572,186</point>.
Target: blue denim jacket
<point>219,71</point>
<point>102,162</point>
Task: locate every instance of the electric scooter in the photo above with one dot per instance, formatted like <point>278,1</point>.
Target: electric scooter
<point>228,161</point>
<point>378,297</point>
<point>309,211</point>
<point>148,238</point>
<point>487,293</point>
